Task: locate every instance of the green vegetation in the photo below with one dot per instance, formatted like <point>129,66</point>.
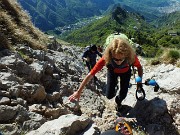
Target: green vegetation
<point>93,33</point>
<point>148,3</point>
<point>147,8</point>
<point>48,15</point>
<point>119,20</point>
<point>25,57</point>
<point>168,32</point>
<point>57,13</point>
<point>171,56</point>
<point>152,39</point>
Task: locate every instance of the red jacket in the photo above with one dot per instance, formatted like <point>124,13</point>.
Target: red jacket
<point>101,63</point>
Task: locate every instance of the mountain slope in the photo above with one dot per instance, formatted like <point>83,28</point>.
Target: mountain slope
<point>118,20</point>
<point>168,30</point>
<point>16,27</point>
<point>152,9</point>
<point>171,19</point>
<point>35,92</point>
<point>47,14</point>
<point>152,39</point>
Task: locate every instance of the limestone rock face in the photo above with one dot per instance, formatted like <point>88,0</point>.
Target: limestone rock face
<point>66,124</point>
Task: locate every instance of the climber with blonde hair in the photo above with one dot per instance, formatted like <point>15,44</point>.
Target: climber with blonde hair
<point>118,57</point>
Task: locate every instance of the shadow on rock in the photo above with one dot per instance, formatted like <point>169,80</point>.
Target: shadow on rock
<point>124,111</point>
<point>153,116</point>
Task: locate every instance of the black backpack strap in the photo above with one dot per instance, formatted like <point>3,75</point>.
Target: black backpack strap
<point>110,67</point>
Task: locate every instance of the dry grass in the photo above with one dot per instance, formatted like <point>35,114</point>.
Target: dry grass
<point>170,56</point>
<point>178,63</point>
<point>17,28</point>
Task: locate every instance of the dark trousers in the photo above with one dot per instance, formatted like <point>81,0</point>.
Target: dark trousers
<point>90,65</point>
<point>112,81</point>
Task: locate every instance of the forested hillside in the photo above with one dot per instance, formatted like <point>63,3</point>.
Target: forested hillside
<point>167,33</point>
<point>152,37</point>
<point>118,20</point>
<point>48,15</point>
<point>152,9</point>
<point>169,20</point>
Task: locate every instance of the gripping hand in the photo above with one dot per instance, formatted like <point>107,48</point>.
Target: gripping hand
<point>138,79</point>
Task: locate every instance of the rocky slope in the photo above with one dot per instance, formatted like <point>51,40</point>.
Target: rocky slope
<point>34,96</point>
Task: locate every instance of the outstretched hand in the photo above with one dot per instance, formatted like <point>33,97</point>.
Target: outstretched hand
<point>87,59</point>
<point>74,96</point>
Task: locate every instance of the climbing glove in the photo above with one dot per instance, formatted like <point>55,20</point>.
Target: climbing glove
<point>138,79</point>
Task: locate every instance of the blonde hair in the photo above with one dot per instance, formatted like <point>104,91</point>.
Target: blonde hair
<point>121,46</point>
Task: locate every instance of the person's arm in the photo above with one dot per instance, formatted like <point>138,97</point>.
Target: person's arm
<point>99,65</point>
<point>140,71</point>
<point>100,55</point>
<point>77,94</point>
<point>139,67</point>
<point>85,56</point>
<point>86,59</point>
<point>140,74</point>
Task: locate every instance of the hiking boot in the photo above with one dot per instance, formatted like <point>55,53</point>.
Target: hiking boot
<point>119,107</point>
<point>118,102</point>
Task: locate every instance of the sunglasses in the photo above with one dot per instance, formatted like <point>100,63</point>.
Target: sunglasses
<point>117,59</point>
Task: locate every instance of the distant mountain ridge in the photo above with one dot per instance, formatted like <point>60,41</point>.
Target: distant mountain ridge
<point>48,14</point>
<point>172,19</point>
<point>152,9</point>
<point>151,38</point>
<point>118,20</point>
